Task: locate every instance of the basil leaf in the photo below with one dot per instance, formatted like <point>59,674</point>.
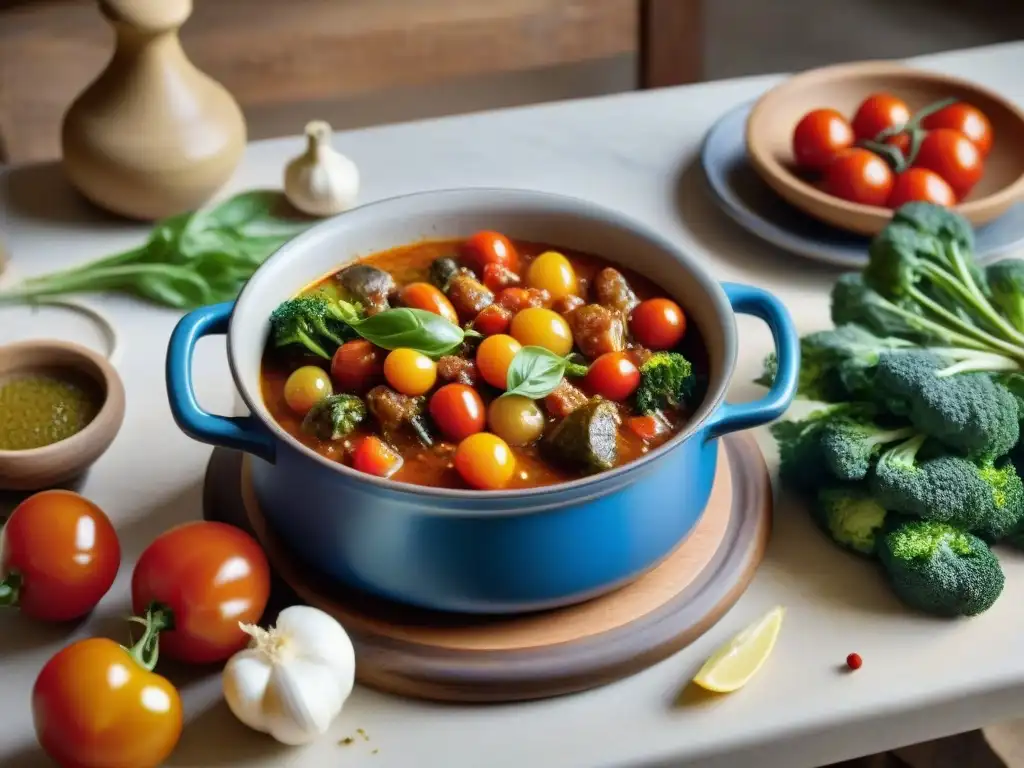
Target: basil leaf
<point>417,329</point>
<point>535,372</point>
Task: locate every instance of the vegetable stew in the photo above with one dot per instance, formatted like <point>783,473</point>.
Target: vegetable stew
<point>482,363</point>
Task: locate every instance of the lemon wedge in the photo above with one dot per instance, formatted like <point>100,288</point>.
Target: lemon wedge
<point>733,664</point>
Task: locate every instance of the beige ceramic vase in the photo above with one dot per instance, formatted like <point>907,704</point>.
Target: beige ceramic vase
<point>152,136</point>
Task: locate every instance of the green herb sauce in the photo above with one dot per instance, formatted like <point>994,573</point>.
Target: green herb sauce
<point>40,409</point>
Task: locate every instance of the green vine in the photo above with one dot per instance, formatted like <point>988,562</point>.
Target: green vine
<point>146,651</point>
<point>891,153</point>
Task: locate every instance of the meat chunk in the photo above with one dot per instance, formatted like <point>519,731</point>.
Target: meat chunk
<point>394,411</point>
<point>597,329</point>
<point>370,286</point>
<point>458,369</point>
<point>639,355</point>
<point>565,399</point>
<point>567,304</point>
<point>612,290</point>
<point>468,296</point>
<point>518,299</point>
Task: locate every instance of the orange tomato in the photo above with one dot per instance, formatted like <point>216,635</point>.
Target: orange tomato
<point>457,410</point>
<point>658,324</point>
<point>59,554</point>
<point>879,112</point>
<point>493,357</point>
<point>485,461</point>
<point>922,185</point>
<point>487,247</point>
<point>209,577</point>
<point>96,705</point>
<point>859,176</point>
<point>410,372</point>
<point>427,297</point>
<point>819,136</point>
<point>954,157</point>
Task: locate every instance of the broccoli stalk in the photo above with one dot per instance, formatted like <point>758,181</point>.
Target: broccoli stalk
<point>850,516</point>
<point>334,417</point>
<point>936,568</point>
<point>666,381</point>
<point>1006,286</point>
<point>314,323</point>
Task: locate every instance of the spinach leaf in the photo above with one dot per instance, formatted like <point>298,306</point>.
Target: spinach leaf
<point>535,372</point>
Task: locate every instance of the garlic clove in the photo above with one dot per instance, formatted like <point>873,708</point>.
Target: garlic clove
<point>321,181</point>
<point>301,702</point>
<point>315,634</point>
<point>245,679</point>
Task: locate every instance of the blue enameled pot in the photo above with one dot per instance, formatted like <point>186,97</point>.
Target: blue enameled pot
<point>481,551</point>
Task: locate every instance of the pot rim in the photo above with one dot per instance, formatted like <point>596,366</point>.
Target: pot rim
<point>584,209</point>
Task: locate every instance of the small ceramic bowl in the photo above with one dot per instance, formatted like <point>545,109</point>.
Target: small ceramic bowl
<point>38,468</point>
<point>843,87</point>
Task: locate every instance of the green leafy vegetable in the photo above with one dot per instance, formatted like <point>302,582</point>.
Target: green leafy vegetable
<point>535,372</point>
<point>188,261</point>
<point>313,322</point>
<point>418,329</point>
<point>334,417</point>
<point>666,381</point>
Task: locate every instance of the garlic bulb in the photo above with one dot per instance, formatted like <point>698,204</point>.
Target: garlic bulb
<point>321,181</point>
<point>294,678</point>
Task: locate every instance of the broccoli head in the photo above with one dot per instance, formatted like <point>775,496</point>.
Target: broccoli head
<point>666,381</point>
<point>334,417</point>
<point>1006,288</point>
<point>939,569</point>
<point>937,221</point>
<point>851,517</point>
<point>802,464</point>
<point>1007,501</point>
<point>968,412</point>
<point>849,447</point>
<point>312,322</point>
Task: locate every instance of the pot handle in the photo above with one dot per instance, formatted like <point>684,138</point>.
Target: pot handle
<point>732,417</point>
<point>243,433</point>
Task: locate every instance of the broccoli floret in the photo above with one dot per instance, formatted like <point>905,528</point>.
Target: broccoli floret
<point>802,464</point>
<point>313,322</point>
<point>666,381</point>
<point>968,412</point>
<point>937,221</point>
<point>939,569</point>
<point>1006,288</point>
<point>334,417</point>
<point>987,499</point>
<point>849,447</point>
<point>851,517</point>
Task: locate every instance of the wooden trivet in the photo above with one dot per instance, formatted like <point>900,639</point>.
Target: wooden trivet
<point>454,657</point>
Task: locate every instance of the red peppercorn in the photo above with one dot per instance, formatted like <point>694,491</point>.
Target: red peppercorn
<point>854,661</point>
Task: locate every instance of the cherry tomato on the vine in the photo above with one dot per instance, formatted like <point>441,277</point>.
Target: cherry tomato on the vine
<point>209,576</point>
<point>59,554</point>
<point>613,376</point>
<point>458,411</point>
<point>879,112</point>
<point>487,247</point>
<point>954,157</point>
<point>357,366</point>
<point>859,176</point>
<point>658,323</point>
<point>968,120</point>
<point>920,184</point>
<point>98,705</point>
<point>819,136</point>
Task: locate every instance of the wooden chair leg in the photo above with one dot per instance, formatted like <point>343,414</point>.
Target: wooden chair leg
<point>671,42</point>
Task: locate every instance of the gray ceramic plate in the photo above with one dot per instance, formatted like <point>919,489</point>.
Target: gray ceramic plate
<point>748,201</point>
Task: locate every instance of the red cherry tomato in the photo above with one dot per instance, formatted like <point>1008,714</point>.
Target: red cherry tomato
<point>96,705</point>
<point>658,323</point>
<point>458,411</point>
<point>920,184</point>
<point>859,176</point>
<point>879,112</point>
<point>819,136</point>
<point>496,277</point>
<point>968,120</point>
<point>487,247</point>
<point>59,554</point>
<point>375,457</point>
<point>954,157</point>
<point>427,297</point>
<point>357,366</point>
<point>613,376</point>
<point>208,577</point>
<point>901,141</point>
<point>492,320</point>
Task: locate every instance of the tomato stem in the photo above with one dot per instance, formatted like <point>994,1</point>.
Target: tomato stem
<point>10,590</point>
<point>146,650</point>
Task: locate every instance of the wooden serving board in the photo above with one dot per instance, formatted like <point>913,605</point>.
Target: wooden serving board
<point>451,657</point>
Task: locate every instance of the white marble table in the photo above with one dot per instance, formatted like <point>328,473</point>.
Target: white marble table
<point>636,152</point>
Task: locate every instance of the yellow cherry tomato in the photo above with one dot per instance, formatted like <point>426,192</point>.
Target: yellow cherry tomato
<point>539,327</point>
<point>515,419</point>
<point>410,372</point>
<point>306,387</point>
<point>485,461</point>
<point>552,272</point>
<point>493,357</point>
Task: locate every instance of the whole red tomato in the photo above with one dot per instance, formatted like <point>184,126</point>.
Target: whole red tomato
<point>613,376</point>
<point>357,366</point>
<point>920,184</point>
<point>859,176</point>
<point>97,705</point>
<point>658,323</point>
<point>819,136</point>
<point>968,120</point>
<point>877,113</point>
<point>208,577</point>
<point>59,554</point>
<point>954,157</point>
<point>488,247</point>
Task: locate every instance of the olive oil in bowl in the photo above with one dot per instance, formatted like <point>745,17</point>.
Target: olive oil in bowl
<point>40,408</point>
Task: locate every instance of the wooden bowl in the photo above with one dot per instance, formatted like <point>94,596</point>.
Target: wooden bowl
<point>38,468</point>
<point>843,87</point>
